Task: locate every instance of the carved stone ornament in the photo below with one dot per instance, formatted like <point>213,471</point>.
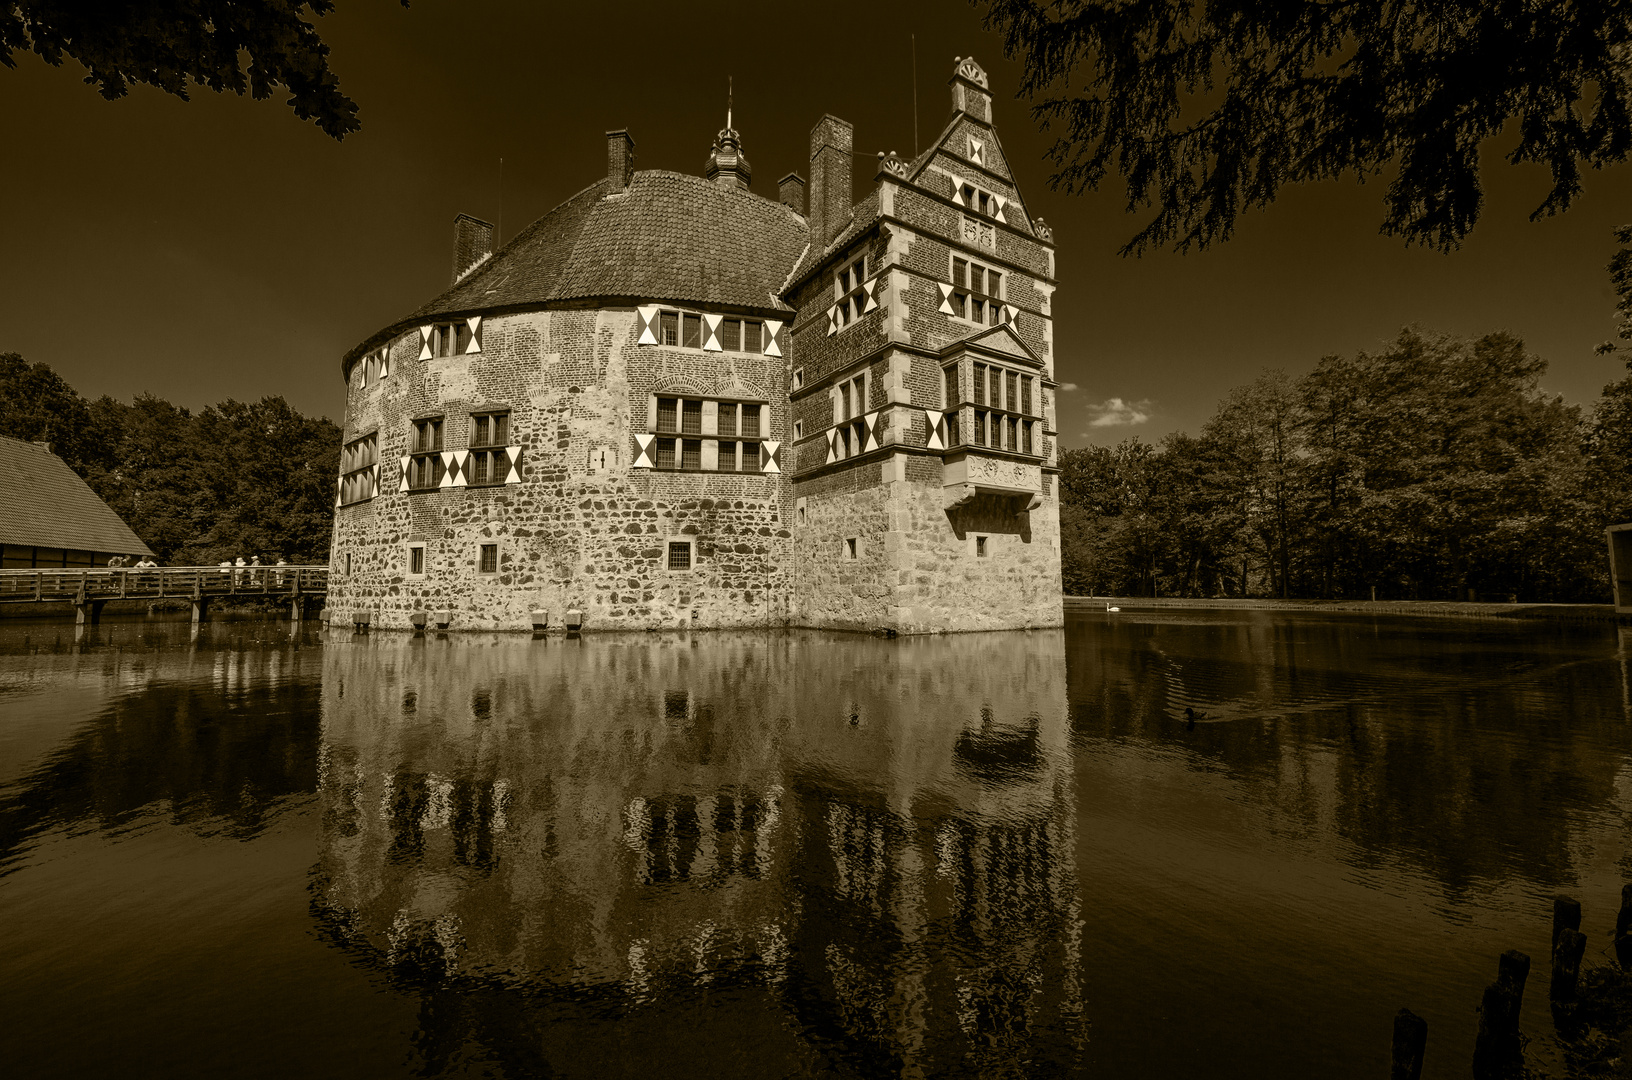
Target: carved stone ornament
<point>892,164</point>
<point>1044,233</point>
<point>968,69</point>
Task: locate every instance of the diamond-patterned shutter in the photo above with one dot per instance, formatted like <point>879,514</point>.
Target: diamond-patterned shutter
<point>832,446</point>
<point>832,320</point>
<point>373,481</point>
<point>646,325</point>
<point>998,203</point>
<point>711,333</point>
<point>1004,314</point>
<point>772,328</point>
<point>643,451</point>
<point>936,425</point>
<point>513,453</point>
<point>449,471</point>
<point>872,421</point>
<point>773,456</point>
<point>339,490</point>
<point>475,324</point>
<point>385,362</point>
<point>977,151</point>
<point>425,342</point>
<point>402,485</point>
<point>946,298</point>
<point>870,292</point>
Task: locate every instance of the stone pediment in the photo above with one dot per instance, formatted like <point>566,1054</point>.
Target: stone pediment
<point>999,339</point>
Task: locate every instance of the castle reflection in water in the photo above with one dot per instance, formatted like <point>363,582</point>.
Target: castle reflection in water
<point>576,850</point>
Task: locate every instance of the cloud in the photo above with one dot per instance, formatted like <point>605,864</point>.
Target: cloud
<point>1114,412</point>
<point>1067,387</point>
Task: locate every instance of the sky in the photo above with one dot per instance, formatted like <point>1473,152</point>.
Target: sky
<point>220,247</point>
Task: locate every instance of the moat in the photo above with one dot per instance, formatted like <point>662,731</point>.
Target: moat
<point>265,852</point>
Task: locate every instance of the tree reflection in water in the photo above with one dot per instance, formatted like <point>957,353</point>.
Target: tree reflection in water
<point>754,854</point>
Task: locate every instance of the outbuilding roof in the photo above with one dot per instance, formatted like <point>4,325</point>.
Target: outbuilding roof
<point>44,503</point>
<point>667,236</point>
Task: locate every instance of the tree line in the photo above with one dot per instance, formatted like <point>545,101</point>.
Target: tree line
<point>1436,468</point>
<point>234,479</point>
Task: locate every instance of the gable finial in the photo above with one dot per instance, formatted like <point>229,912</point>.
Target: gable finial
<point>728,96</point>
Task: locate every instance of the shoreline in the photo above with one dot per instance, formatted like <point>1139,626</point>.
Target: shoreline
<point>1438,608</point>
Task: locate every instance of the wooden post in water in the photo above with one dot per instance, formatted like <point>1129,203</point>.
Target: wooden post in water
<point>1572,946</point>
<point>1410,1046</point>
<point>1566,915</point>
<point>1623,929</point>
<point>1498,1050</point>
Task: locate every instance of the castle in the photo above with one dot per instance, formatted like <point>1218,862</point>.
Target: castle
<point>670,402</point>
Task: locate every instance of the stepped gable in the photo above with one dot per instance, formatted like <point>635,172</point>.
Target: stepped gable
<point>667,236</point>
<point>44,503</point>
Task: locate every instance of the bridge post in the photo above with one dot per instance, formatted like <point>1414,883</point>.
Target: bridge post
<point>88,611</point>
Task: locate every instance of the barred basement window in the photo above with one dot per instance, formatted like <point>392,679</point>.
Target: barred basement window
<point>669,321</point>
<point>977,292</point>
<point>679,554</point>
<point>416,560</point>
<point>425,468</point>
<point>450,339</point>
<point>490,559</point>
<point>357,460</point>
<point>847,283</point>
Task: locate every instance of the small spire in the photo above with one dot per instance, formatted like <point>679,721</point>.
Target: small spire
<point>727,166</point>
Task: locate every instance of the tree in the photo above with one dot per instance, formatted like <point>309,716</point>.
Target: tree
<point>1206,109</point>
<point>37,405</point>
<point>164,43</point>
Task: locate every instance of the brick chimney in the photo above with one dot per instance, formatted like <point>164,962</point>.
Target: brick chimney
<point>830,145</point>
<point>472,241</point>
<point>620,158</point>
<point>791,191</point>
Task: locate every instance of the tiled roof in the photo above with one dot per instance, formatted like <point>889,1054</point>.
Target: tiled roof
<point>44,503</point>
<point>862,216</point>
<point>667,236</point>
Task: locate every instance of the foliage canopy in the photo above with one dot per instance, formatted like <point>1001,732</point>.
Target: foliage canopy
<point>164,43</point>
<point>1207,108</point>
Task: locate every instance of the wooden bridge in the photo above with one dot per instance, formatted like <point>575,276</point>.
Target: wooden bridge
<point>88,590</point>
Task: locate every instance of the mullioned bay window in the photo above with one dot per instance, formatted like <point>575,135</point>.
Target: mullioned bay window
<point>1004,414</point>
<point>707,435</point>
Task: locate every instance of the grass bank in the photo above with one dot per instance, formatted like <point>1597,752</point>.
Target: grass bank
<point>1437,608</point>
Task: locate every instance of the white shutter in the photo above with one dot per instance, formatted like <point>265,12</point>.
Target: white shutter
<point>643,447</point>
<point>425,342</point>
<point>475,324</point>
<point>772,328</point>
<point>514,454</point>
<point>646,325</point>
<point>711,333</point>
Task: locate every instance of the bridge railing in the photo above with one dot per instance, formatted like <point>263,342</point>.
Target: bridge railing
<point>182,582</point>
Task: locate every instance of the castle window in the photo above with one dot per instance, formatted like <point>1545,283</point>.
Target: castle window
<point>847,285</point>
<point>728,418</point>
<point>425,468</point>
<point>798,378</point>
<point>951,386</point>
<point>1025,394</point>
<point>691,453</point>
<point>731,335</point>
<point>1025,438</point>
<point>750,457</point>
<point>691,417</point>
<point>977,293</point>
<point>668,409</point>
<point>450,339</point>
<point>850,547</point>
<point>980,384</point>
<point>952,436</point>
<point>980,547</point>
<point>728,457</point>
<point>665,453</point>
<point>489,562</point>
<point>753,336</point>
<point>694,331</point>
<point>680,552</point>
<point>980,429</point>
<point>732,420</point>
<point>358,479</point>
<point>980,200</point>
<point>670,325</point>
<point>997,387</point>
<point>750,421</point>
<point>1014,434</point>
<point>416,560</point>
<point>489,466</point>
<point>798,429</point>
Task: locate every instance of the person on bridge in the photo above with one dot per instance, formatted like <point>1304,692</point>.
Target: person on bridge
<point>256,578</point>
<point>238,575</point>
<point>281,565</point>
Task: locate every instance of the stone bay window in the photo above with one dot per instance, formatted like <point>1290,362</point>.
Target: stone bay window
<point>690,434</point>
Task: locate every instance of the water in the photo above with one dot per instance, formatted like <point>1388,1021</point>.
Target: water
<point>795,854</point>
